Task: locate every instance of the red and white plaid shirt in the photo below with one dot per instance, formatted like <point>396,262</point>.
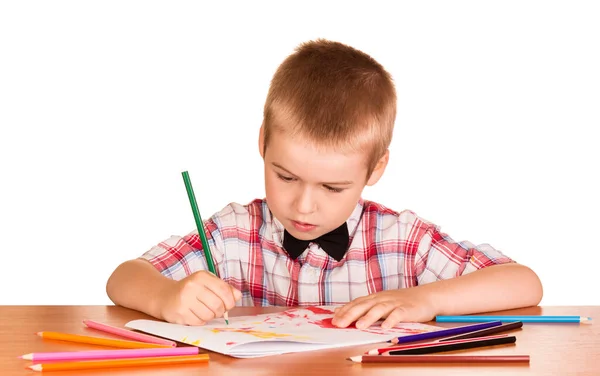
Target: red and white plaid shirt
<point>388,250</point>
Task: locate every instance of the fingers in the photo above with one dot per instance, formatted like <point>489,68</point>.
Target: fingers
<point>373,314</point>
<point>211,300</point>
<point>341,317</point>
<point>187,309</point>
<point>352,312</point>
<point>237,294</point>
<point>394,307</point>
<point>397,315</point>
<point>226,293</point>
<point>200,298</point>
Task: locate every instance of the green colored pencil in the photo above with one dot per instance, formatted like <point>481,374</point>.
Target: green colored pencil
<point>200,226</point>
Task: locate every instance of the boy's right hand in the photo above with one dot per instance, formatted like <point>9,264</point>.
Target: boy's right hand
<point>196,299</point>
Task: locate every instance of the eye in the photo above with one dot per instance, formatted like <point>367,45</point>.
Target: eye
<point>285,178</point>
<point>334,190</point>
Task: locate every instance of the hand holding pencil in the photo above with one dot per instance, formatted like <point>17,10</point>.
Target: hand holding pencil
<point>201,296</point>
<point>197,299</point>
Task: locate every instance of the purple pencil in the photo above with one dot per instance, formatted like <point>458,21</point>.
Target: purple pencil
<point>445,332</point>
<point>111,354</point>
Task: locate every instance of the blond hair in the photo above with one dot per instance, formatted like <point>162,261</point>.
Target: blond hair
<point>335,96</point>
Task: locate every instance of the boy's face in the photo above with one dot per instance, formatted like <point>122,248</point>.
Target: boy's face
<point>311,190</point>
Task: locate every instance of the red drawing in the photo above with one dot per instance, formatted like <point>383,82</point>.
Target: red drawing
<point>326,323</point>
<point>319,310</point>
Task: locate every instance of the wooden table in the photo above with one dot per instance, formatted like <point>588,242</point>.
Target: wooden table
<point>555,349</point>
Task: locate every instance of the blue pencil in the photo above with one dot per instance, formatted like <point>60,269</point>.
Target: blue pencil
<point>526,318</point>
<point>445,332</point>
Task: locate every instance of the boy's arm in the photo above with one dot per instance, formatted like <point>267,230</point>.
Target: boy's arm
<point>138,285</point>
<point>194,300</point>
<point>493,288</point>
<point>171,281</point>
<point>453,279</point>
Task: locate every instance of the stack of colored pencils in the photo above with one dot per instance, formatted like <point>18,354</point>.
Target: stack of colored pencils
<point>460,338</point>
<point>139,350</point>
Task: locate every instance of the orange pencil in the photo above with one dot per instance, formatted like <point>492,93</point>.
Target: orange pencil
<point>135,362</point>
<point>99,341</point>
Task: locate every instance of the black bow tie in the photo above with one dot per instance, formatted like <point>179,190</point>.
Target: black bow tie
<point>334,243</point>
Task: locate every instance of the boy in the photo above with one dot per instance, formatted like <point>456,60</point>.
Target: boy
<point>328,122</point>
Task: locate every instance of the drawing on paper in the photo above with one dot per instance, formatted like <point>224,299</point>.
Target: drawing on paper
<point>292,330</point>
<point>252,332</point>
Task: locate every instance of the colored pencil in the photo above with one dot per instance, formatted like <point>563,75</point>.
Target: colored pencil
<point>111,354</point>
<point>382,350</point>
<point>444,332</point>
<point>99,341</point>
<point>125,333</point>
<point>441,359</point>
<point>94,364</point>
<point>486,332</point>
<point>442,346</point>
<point>532,318</point>
<point>200,227</point>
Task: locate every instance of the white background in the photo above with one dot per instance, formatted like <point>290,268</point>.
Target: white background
<point>103,104</point>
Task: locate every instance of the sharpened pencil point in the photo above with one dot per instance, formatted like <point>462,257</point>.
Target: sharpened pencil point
<point>226,317</point>
<point>356,359</point>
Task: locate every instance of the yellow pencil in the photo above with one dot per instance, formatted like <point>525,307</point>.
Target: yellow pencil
<point>99,341</point>
<point>94,364</point>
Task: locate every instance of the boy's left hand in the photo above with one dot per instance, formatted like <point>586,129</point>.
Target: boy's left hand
<point>406,305</point>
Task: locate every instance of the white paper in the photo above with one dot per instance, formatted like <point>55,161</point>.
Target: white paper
<point>294,330</point>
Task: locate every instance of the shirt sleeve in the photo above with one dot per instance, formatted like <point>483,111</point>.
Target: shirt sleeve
<point>179,256</point>
<point>439,257</point>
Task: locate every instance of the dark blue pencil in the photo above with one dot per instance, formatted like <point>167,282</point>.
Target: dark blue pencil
<point>445,332</point>
<point>486,332</point>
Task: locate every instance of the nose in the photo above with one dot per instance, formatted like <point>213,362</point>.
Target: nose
<point>305,201</point>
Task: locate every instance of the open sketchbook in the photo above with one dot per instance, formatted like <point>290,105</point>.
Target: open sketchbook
<point>294,330</point>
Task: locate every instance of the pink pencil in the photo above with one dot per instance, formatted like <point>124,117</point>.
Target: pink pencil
<point>127,333</point>
<point>111,354</point>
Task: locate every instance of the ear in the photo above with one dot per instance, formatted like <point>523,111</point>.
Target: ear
<point>261,141</point>
<point>379,169</point>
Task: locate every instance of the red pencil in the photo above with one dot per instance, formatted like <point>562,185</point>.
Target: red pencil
<point>382,350</point>
<point>440,359</point>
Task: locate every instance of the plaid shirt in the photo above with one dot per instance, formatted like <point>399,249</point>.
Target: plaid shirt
<point>388,250</point>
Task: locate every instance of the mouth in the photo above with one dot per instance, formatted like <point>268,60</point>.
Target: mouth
<point>303,226</point>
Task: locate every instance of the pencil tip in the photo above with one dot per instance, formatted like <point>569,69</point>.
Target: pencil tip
<point>356,359</point>
<point>38,334</point>
<point>35,367</point>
